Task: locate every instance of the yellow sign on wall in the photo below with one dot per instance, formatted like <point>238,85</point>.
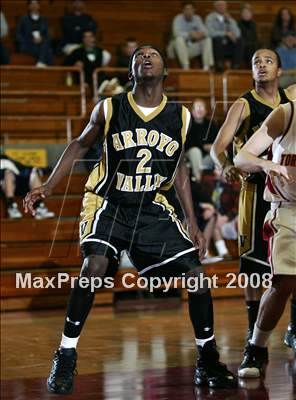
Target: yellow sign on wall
<point>30,157</point>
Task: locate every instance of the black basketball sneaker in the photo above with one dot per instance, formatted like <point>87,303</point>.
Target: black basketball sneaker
<point>62,372</point>
<point>254,362</point>
<point>210,371</point>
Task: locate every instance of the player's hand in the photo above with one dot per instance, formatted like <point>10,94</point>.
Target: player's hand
<point>232,174</point>
<point>197,238</point>
<point>34,195</point>
<point>280,172</point>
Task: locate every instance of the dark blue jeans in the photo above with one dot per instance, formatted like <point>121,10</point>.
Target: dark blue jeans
<point>42,51</point>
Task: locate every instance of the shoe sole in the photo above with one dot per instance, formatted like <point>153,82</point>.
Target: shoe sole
<point>231,385</point>
<point>51,390</point>
<point>249,373</point>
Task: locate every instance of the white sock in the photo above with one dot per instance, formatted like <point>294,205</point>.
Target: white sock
<point>202,342</point>
<point>221,247</point>
<point>68,342</point>
<point>260,337</point>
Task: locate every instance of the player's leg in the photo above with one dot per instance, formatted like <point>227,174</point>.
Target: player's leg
<point>173,256</point>
<point>271,309</point>
<point>252,247</point>
<point>80,302</point>
<point>209,370</point>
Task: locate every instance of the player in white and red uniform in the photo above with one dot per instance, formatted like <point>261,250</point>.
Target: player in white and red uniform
<point>279,132</point>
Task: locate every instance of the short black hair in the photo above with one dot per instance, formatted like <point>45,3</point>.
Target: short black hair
<point>142,47</point>
<point>278,58</point>
<point>188,3</point>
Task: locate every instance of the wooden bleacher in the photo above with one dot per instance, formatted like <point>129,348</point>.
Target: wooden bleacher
<point>148,21</point>
<point>180,85</point>
<point>46,99</point>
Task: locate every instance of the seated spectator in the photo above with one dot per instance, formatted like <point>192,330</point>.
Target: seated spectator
<point>125,52</point>
<point>4,55</point>
<point>74,24</point>
<point>249,36</point>
<point>32,35</point>
<point>88,56</point>
<point>284,39</point>
<point>190,39</point>
<point>226,36</point>
<point>207,217</point>
<point>17,179</point>
<point>283,30</point>
<point>200,138</point>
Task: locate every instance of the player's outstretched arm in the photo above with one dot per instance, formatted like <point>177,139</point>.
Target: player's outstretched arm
<point>233,121</point>
<point>183,189</point>
<point>74,151</point>
<point>248,157</point>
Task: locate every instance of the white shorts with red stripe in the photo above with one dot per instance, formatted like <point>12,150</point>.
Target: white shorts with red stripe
<point>280,231</point>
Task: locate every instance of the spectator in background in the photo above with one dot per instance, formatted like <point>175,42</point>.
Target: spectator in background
<point>125,52</point>
<point>4,55</point>
<point>283,39</point>
<point>249,36</point>
<point>74,24</point>
<point>88,56</point>
<point>32,35</point>
<point>226,36</point>
<point>17,179</point>
<point>190,39</point>
<point>283,29</point>
<point>200,138</point>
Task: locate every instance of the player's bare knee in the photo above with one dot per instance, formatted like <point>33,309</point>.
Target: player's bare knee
<point>94,266</point>
<point>196,281</point>
<point>285,285</point>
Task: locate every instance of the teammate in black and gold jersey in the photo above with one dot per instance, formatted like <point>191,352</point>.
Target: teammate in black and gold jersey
<point>244,118</point>
<point>124,208</point>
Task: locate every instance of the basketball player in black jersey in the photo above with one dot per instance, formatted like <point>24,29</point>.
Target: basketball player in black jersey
<point>124,208</point>
<point>244,117</point>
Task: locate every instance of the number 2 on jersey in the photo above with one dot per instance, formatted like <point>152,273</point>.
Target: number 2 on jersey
<point>146,154</point>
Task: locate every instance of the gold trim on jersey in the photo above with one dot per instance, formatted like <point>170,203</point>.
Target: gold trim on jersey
<point>149,117</point>
<point>264,101</point>
<point>289,97</point>
<point>241,136</point>
<point>100,172</point>
<point>109,115</point>
<point>247,110</point>
<point>184,132</point>
<point>162,200</point>
<point>246,223</point>
<point>90,204</point>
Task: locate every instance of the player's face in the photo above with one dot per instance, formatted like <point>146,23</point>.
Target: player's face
<point>265,66</point>
<point>147,64</point>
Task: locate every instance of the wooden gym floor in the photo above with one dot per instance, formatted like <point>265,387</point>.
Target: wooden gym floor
<point>147,355</point>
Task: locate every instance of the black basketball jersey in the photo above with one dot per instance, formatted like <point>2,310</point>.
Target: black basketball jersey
<point>141,153</point>
<point>257,111</point>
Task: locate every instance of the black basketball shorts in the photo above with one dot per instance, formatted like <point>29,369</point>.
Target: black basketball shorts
<point>153,236</point>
